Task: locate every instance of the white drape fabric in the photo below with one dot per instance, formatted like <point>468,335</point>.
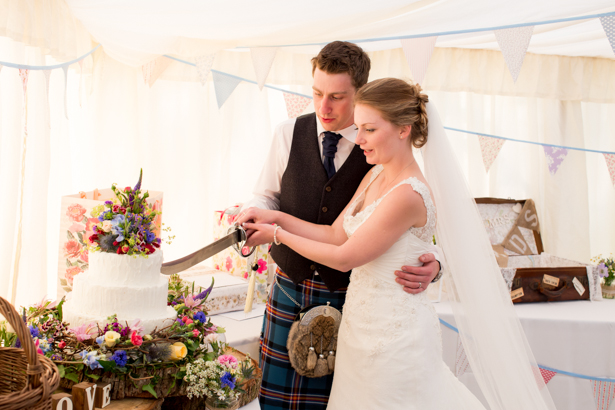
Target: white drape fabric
<point>493,339</point>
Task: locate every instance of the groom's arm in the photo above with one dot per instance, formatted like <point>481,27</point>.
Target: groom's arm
<point>415,279</point>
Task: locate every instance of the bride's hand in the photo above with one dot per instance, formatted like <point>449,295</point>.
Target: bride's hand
<point>256,215</point>
<point>261,233</point>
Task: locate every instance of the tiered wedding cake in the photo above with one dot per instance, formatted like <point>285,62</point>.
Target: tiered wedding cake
<point>131,287</point>
<point>124,276</point>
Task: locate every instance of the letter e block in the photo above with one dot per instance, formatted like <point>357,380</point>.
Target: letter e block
<point>103,395</point>
<point>83,396</point>
<point>61,401</point>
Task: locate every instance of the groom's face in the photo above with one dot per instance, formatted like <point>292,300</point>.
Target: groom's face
<point>333,99</point>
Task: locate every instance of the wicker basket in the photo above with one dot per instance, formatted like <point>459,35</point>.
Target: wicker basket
<point>27,379</point>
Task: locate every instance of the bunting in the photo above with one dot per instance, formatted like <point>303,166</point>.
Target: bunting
<point>203,66</point>
<point>295,104</point>
<point>418,53</point>
<point>555,157</point>
<point>489,148</point>
<point>154,69</point>
<point>262,59</point>
<point>604,392</point>
<point>610,164</point>
<point>608,25</point>
<point>547,375</point>
<point>224,85</point>
<point>65,69</point>
<point>514,43</point>
<point>461,360</point>
<point>47,74</point>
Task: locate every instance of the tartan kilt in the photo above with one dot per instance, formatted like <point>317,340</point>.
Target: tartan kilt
<point>282,387</point>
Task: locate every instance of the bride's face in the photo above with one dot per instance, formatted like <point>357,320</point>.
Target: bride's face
<point>378,138</point>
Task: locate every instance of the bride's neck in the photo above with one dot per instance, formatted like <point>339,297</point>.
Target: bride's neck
<point>397,166</point>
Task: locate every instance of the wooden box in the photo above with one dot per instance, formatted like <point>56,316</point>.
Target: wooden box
<point>531,274</point>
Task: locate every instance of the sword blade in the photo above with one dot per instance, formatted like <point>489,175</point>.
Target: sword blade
<point>210,250</point>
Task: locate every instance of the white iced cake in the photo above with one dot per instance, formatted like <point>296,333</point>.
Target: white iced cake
<point>131,287</point>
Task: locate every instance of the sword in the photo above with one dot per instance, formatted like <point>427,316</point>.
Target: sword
<point>236,237</point>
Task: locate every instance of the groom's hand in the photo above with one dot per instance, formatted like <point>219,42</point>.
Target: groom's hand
<point>415,279</point>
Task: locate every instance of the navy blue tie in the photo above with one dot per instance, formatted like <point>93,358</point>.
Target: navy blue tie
<point>329,148</point>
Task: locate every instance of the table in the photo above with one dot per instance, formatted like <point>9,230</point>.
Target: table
<point>575,337</point>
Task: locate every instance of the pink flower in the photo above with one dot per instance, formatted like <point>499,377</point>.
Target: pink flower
<point>188,321</point>
<point>195,332</point>
<point>38,349</point>
<point>136,339</point>
<point>62,344</point>
<point>262,265</point>
<point>229,263</point>
<point>228,360</point>
<point>72,248</point>
<point>77,227</point>
<point>84,256</point>
<point>75,212</point>
<point>245,275</point>
<point>190,302</point>
<point>44,303</point>
<point>136,326</point>
<point>84,332</point>
<point>71,273</point>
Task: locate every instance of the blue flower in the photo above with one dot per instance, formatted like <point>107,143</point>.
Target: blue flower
<point>90,359</point>
<point>200,316</point>
<point>227,380</point>
<point>34,331</point>
<point>149,236</point>
<point>116,228</point>
<point>100,340</point>
<point>120,358</point>
<point>603,271</point>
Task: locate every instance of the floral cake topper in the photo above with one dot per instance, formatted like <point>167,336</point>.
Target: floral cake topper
<point>126,226</point>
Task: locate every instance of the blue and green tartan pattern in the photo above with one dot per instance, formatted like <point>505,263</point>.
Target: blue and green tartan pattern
<point>282,387</point>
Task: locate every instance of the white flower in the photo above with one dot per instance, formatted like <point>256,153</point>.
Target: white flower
<point>106,226</point>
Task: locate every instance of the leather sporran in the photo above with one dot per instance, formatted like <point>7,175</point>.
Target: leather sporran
<point>312,340</point>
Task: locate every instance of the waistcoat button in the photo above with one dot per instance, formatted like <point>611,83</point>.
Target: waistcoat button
<point>324,209</point>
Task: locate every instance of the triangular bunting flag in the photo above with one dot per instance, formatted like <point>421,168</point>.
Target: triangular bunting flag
<point>608,24</point>
<point>154,69</point>
<point>262,58</point>
<point>489,148</point>
<point>224,85</point>
<point>610,164</point>
<point>547,375</point>
<point>514,43</point>
<point>555,157</point>
<point>295,104</point>
<point>23,74</point>
<point>203,66</point>
<point>418,53</point>
<point>461,360</point>
<point>47,74</point>
<point>1,67</point>
<point>65,68</point>
<point>604,392</point>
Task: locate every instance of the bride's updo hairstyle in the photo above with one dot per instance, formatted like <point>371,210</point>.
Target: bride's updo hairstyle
<point>400,103</point>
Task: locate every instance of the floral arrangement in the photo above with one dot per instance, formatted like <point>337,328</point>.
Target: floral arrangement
<point>606,268</point>
<point>126,226</point>
<point>217,379</point>
<point>91,350</point>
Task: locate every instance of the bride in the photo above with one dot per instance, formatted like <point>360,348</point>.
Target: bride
<point>389,353</point>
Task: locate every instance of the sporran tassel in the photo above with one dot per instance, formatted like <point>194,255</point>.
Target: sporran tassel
<point>311,359</point>
<point>322,368</point>
<point>331,360</point>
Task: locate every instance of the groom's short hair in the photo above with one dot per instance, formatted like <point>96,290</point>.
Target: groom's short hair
<point>344,57</point>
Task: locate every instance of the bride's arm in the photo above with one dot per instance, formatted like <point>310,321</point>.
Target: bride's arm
<point>399,211</point>
<point>332,234</point>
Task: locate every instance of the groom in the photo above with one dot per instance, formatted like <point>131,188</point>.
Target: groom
<point>312,171</point>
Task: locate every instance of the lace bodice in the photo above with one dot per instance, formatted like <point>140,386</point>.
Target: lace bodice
<point>352,219</point>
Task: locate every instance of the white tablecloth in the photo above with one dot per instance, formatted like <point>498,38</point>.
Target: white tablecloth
<point>575,337</point>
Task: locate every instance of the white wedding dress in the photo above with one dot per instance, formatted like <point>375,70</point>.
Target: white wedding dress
<point>389,352</point>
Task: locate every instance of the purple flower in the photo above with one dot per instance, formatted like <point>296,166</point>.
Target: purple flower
<point>227,380</point>
<point>200,316</point>
<point>34,331</point>
<point>108,202</point>
<point>206,292</point>
<point>120,358</point>
<point>56,357</point>
<point>149,236</point>
<point>603,271</point>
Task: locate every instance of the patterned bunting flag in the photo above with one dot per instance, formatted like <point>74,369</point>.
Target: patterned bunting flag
<point>418,53</point>
<point>555,157</point>
<point>262,58</point>
<point>547,375</point>
<point>47,74</point>
<point>608,24</point>
<point>461,360</point>
<point>23,75</point>
<point>490,148</point>
<point>203,66</point>
<point>154,69</point>
<point>610,164</point>
<point>514,43</point>
<point>604,392</point>
<point>295,104</point>
<point>224,85</point>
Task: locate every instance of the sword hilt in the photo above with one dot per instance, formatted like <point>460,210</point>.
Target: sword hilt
<point>239,245</point>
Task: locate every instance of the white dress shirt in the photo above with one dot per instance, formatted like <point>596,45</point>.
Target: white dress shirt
<point>268,186</point>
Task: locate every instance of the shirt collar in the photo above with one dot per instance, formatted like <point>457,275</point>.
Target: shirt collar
<point>349,133</point>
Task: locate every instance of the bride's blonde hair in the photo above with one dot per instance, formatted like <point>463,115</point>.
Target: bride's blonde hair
<point>400,103</point>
